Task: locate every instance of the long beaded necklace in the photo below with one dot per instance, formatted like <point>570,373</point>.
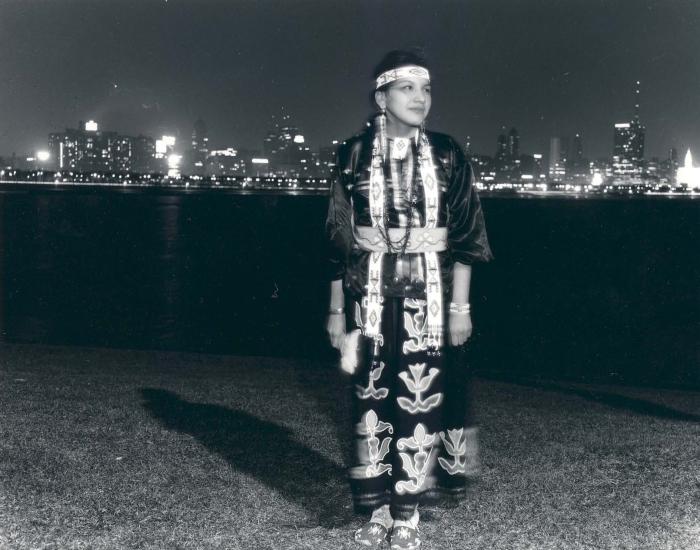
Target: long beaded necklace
<point>408,196</point>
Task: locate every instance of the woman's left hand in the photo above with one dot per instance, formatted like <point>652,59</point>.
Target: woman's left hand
<point>460,328</point>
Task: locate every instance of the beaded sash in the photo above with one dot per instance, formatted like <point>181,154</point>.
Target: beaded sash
<point>373,301</point>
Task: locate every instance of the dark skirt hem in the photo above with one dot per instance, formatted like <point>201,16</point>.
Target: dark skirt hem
<point>440,496</point>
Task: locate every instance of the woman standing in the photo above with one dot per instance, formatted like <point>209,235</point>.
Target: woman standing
<point>405,225</point>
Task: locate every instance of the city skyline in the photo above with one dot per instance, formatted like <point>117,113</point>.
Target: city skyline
<point>572,145</point>
<point>185,141</point>
<point>286,153</point>
<point>154,68</point>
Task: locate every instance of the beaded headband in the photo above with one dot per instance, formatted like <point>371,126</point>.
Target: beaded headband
<point>401,72</point>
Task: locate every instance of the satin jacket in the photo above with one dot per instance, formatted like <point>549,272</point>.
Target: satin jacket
<point>460,211</point>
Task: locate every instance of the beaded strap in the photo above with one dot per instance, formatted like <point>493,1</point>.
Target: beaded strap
<point>373,301</point>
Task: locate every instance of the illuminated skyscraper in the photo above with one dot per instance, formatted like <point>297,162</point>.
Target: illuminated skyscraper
<point>638,131</point>
<point>513,144</point>
<point>538,169</point>
<point>576,155</point>
<point>285,148</point>
<point>84,149</point>
<point>557,158</point>
<point>88,149</point>
<point>120,152</point>
<point>628,144</point>
<point>502,157</point>
<point>554,148</point>
<point>64,149</point>
<point>622,143</point>
<point>200,147</point>
<point>623,164</point>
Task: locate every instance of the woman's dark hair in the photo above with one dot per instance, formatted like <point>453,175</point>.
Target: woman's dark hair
<point>400,58</point>
<point>393,60</point>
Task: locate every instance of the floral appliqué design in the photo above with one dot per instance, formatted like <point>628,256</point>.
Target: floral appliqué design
<point>417,384</point>
<point>376,449</point>
<point>456,446</point>
<point>415,325</point>
<point>370,391</point>
<point>417,465</point>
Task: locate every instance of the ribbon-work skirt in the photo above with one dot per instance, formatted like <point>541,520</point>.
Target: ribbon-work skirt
<point>413,428</point>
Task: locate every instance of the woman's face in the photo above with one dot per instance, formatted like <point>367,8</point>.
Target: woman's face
<point>407,100</point>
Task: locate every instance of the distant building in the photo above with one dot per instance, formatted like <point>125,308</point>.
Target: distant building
<point>688,174</point>
<point>531,169</point>
<point>484,168</point>
<point>673,156</point>
<point>326,160</point>
<point>557,159</point>
<point>236,162</point>
<point>513,144</point>
<point>165,159</point>
<point>144,155</point>
<point>67,149</point>
<point>120,152</point>
<point>88,149</point>
<point>501,158</point>
<point>622,150</point>
<point>224,162</point>
<point>628,144</point>
<point>527,168</point>
<point>628,148</point>
<point>200,148</point>
<point>507,157</point>
<point>669,166</point>
<point>554,152</point>
<point>576,154</point>
<point>285,148</point>
<point>638,132</point>
<point>538,168</point>
<point>578,168</point>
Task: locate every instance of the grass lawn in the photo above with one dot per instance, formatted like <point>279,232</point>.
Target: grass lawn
<point>111,449</point>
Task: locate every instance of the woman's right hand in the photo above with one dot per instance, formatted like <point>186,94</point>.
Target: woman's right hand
<point>335,326</point>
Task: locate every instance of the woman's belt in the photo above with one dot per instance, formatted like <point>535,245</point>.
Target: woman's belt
<point>422,239</point>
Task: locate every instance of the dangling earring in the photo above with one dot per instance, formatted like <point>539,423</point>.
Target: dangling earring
<point>382,132</point>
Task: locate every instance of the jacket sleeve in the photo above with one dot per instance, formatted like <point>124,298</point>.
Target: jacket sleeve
<point>338,220</point>
<point>466,230</point>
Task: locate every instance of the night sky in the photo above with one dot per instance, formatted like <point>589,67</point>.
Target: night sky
<point>547,67</point>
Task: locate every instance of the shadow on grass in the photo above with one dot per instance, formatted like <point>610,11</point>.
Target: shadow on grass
<point>262,449</point>
<point>614,400</point>
<point>331,395</point>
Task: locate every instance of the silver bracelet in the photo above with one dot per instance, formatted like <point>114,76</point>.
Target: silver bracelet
<point>336,311</point>
<point>456,307</point>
